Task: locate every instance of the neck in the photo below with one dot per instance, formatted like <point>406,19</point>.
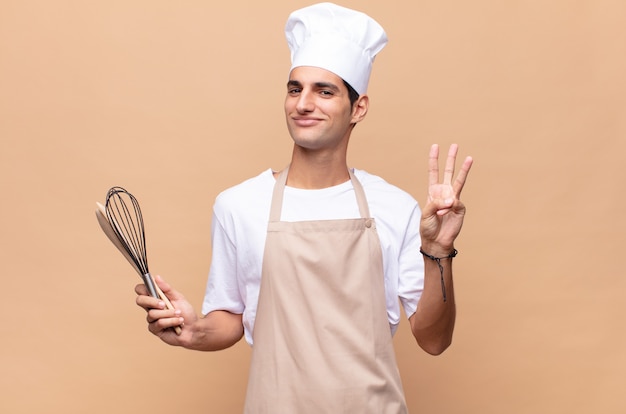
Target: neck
<point>315,171</point>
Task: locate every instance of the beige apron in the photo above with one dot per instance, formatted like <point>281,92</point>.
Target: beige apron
<point>322,342</point>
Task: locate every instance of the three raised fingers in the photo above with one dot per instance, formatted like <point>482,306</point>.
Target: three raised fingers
<point>448,175</point>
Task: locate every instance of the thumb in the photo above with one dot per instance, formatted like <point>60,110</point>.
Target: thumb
<point>167,288</point>
<point>437,207</point>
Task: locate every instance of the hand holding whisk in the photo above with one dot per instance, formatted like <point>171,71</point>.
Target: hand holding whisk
<point>122,222</point>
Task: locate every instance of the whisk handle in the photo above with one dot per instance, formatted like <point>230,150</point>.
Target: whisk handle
<point>158,293</point>
<point>149,282</point>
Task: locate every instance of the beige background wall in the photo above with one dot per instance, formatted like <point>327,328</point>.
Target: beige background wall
<point>178,100</point>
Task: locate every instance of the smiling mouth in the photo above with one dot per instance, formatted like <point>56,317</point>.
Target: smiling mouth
<point>306,121</point>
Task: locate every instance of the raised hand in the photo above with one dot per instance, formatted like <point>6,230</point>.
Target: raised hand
<point>442,216</point>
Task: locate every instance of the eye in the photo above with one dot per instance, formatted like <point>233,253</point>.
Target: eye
<point>326,92</point>
<point>293,91</point>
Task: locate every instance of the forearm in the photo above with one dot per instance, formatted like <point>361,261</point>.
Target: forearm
<point>215,331</point>
<point>442,217</point>
<point>432,324</point>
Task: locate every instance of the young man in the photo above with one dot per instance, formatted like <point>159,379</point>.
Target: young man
<point>309,262</point>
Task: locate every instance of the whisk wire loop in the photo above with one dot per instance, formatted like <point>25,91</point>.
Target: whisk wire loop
<point>124,214</point>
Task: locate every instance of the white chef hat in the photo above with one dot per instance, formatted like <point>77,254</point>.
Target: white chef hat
<point>337,39</point>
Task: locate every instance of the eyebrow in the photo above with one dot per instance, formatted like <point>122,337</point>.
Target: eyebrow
<point>318,85</point>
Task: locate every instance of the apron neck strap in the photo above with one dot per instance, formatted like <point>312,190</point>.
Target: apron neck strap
<point>279,189</point>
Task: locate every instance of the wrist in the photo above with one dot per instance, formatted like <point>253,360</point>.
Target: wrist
<point>437,260</point>
<point>437,250</point>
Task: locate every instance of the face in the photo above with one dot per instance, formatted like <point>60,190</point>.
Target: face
<point>318,111</point>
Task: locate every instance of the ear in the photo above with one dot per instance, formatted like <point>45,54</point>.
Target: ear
<point>359,109</point>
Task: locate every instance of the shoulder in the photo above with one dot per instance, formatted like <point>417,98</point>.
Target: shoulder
<point>378,190</point>
<point>248,200</point>
<point>247,191</point>
<point>395,210</point>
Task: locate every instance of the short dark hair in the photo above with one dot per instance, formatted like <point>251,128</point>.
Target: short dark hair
<point>352,93</point>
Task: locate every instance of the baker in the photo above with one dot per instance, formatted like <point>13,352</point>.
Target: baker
<point>312,263</point>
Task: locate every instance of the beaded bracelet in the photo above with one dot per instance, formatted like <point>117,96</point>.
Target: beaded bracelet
<point>438,261</point>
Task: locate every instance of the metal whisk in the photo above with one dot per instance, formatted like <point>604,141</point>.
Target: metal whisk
<point>124,214</point>
<point>121,220</point>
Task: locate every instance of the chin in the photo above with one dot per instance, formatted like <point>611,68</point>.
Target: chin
<point>307,144</point>
<point>305,140</point>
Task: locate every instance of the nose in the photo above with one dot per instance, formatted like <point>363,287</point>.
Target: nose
<point>305,102</point>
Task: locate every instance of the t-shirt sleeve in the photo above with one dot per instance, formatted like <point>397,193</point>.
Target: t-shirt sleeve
<point>222,290</point>
<point>411,265</point>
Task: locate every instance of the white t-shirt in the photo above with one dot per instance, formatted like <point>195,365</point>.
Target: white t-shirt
<point>239,228</point>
